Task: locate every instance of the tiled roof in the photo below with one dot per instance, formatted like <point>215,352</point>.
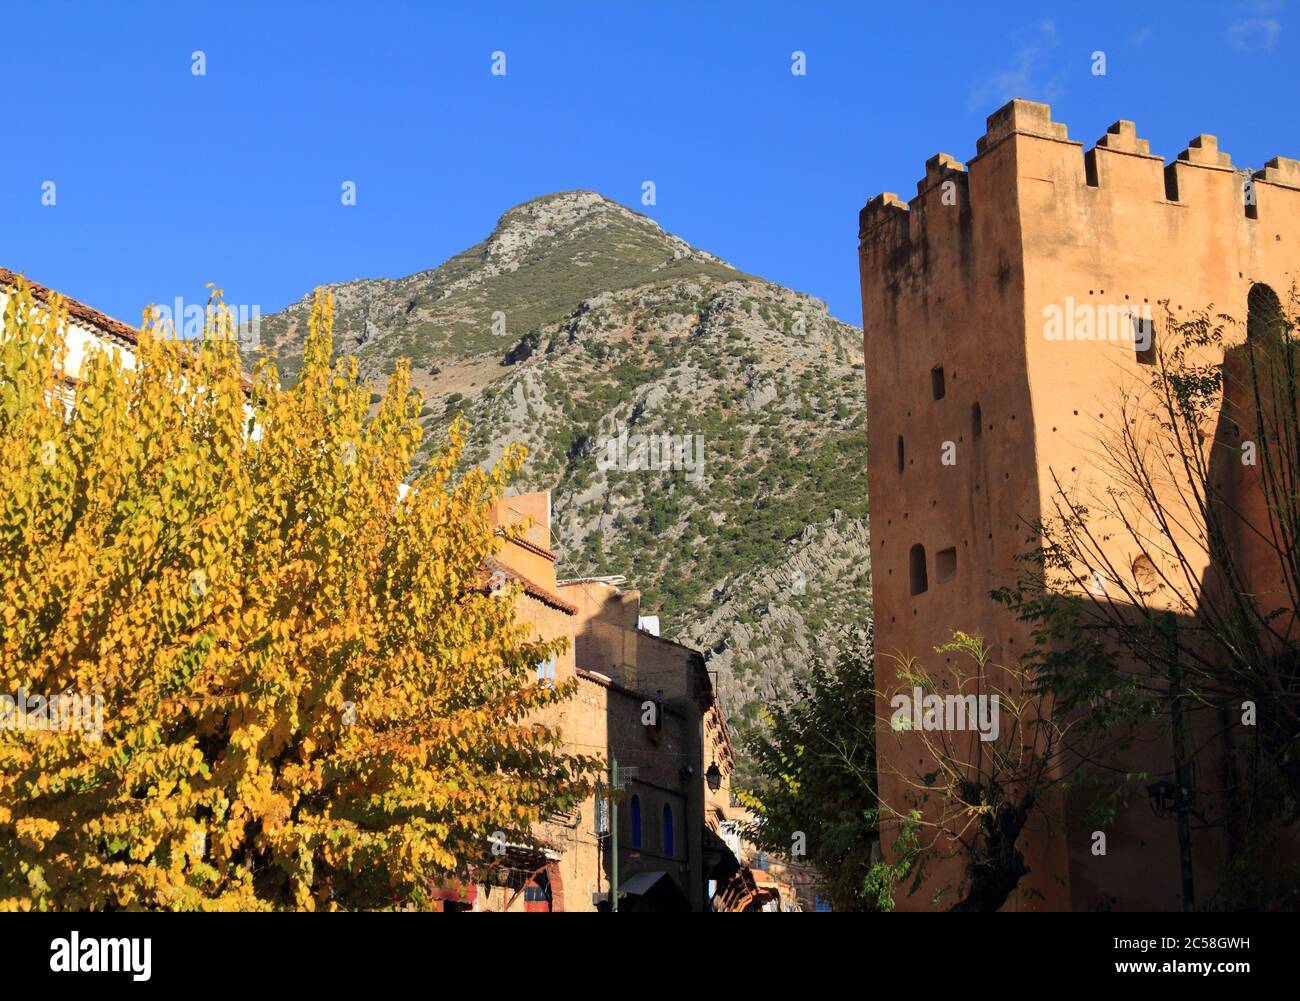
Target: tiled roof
<point>77,311</point>
<point>523,543</point>
<point>532,590</point>
<point>80,313</point>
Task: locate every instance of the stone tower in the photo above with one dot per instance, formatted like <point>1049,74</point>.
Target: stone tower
<point>979,409</point>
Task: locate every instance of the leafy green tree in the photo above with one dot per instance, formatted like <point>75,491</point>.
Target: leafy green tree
<point>815,756</point>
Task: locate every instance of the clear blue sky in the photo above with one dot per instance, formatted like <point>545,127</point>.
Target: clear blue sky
<point>165,180</point>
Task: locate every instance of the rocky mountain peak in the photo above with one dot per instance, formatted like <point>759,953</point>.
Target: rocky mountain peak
<point>546,223</point>
<point>577,318</point>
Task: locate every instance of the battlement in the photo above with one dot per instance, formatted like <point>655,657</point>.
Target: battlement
<point>880,209</point>
<point>939,168</point>
<point>1281,170</point>
<point>1122,137</point>
<point>1018,117</point>
<point>1120,169</point>
<point>1203,150</point>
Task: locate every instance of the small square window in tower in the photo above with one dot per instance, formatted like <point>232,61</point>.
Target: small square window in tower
<point>937,385</point>
<point>945,563</point>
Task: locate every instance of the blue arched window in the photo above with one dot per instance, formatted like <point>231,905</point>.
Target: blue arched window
<point>668,831</point>
<point>635,821</point>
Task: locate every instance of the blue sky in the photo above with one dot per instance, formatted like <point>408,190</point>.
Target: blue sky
<point>165,180</point>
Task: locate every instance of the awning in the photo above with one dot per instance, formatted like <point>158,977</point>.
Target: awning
<point>720,862</point>
<point>642,883</point>
<point>653,891</point>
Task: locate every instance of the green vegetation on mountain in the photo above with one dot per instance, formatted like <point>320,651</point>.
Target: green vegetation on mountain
<point>577,319</point>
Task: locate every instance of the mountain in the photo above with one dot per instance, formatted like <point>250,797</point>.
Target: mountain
<point>579,319</point>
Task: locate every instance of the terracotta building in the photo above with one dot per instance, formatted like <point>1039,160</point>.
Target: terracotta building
<point>642,700</point>
<point>980,410</point>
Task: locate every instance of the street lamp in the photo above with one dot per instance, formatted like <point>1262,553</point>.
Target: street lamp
<point>1164,797</point>
<point>1173,798</point>
<point>1170,797</point>
<point>714,777</point>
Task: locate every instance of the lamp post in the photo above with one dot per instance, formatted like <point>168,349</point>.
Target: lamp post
<point>613,835</point>
<point>618,779</point>
<point>1175,797</point>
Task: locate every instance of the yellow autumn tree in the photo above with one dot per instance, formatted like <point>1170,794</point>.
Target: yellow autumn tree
<point>308,697</point>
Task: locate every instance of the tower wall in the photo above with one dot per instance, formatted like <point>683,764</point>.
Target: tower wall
<point>964,277</point>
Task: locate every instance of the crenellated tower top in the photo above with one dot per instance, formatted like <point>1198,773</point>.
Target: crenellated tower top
<point>1119,166</point>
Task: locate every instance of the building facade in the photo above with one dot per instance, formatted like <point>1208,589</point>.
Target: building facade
<point>641,703</point>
